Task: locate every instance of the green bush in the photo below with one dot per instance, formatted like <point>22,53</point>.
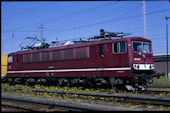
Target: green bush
<point>163,73</point>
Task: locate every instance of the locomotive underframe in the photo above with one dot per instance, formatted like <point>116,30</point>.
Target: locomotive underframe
<point>137,82</point>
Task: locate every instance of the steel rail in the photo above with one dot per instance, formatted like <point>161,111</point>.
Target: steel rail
<point>143,91</point>
<point>154,91</point>
<point>51,104</point>
<point>153,101</point>
<point>158,86</point>
<point>18,108</point>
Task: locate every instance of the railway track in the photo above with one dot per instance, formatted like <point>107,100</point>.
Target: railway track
<point>158,86</point>
<point>119,98</point>
<point>140,92</point>
<point>18,105</point>
<point>153,92</point>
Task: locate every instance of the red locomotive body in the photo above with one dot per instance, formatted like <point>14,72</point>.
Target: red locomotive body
<point>124,62</point>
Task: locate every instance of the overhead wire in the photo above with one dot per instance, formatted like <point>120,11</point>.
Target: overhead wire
<point>124,14</point>
<point>133,29</point>
<point>70,14</point>
<point>110,21</point>
<point>3,31</point>
<point>17,31</point>
<point>153,13</point>
<point>110,14</point>
<point>29,10</point>
<point>93,15</point>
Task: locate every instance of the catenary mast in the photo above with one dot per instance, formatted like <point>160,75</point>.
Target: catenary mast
<point>144,19</point>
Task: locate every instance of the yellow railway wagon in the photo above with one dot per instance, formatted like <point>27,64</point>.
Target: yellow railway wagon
<point>4,64</point>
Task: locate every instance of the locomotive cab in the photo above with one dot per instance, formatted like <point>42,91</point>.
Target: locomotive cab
<point>142,62</point>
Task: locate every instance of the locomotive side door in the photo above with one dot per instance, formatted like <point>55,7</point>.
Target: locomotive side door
<point>16,62</point>
<point>100,56</point>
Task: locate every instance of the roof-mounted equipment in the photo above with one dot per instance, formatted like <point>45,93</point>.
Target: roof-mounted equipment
<point>108,35</point>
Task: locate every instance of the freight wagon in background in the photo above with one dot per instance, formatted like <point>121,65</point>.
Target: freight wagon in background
<point>105,60</point>
<point>4,64</point>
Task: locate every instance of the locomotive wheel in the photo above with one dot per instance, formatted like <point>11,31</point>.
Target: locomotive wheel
<point>64,82</point>
<point>11,81</point>
<point>90,82</point>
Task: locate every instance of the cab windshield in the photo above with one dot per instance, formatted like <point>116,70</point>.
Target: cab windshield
<point>142,47</point>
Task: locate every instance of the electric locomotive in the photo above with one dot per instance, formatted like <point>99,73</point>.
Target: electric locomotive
<point>107,59</point>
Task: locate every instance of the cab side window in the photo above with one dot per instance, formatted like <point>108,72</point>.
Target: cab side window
<point>119,47</point>
<point>116,47</point>
<point>10,59</point>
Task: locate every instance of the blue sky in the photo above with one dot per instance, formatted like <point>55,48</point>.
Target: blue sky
<point>67,20</point>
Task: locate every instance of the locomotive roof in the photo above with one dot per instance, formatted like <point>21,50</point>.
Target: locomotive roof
<point>83,44</point>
